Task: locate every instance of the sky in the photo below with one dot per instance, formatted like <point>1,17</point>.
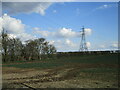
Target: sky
<point>61,22</point>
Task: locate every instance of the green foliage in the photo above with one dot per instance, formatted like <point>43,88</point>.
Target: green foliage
<point>14,50</point>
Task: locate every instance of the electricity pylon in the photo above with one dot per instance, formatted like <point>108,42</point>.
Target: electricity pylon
<point>83,46</point>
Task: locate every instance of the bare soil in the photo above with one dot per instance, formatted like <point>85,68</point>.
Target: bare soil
<point>59,77</point>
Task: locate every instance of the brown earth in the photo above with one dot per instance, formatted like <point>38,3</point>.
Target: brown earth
<point>59,77</point>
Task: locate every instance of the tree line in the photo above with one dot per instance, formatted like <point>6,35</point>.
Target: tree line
<point>13,49</point>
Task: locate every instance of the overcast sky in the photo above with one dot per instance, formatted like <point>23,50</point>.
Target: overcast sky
<point>61,23</point>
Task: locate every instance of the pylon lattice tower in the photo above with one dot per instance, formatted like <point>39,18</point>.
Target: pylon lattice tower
<point>83,46</point>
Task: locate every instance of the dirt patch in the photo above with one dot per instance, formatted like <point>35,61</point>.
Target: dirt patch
<point>68,76</point>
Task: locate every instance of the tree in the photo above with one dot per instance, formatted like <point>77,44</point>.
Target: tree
<point>13,49</point>
<point>4,45</point>
<point>30,49</point>
<point>40,44</point>
<point>52,51</point>
<point>38,49</point>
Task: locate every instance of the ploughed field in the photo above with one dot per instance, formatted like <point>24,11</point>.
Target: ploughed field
<point>86,71</point>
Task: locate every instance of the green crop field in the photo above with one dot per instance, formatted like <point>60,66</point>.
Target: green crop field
<point>86,59</point>
<point>83,71</point>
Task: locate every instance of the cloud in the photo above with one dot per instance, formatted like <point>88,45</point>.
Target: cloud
<point>102,46</point>
<point>88,44</point>
<point>1,25</point>
<point>69,33</point>
<point>66,32</point>
<point>65,45</point>
<point>114,45</point>
<point>51,42</point>
<point>69,43</point>
<point>108,46</point>
<point>54,11</point>
<point>11,36</point>
<point>22,36</point>
<point>14,27</point>
<point>62,33</point>
<point>104,6</point>
<point>88,31</point>
<point>36,28</point>
<point>0,8</point>
<point>25,36</point>
<point>26,7</point>
<point>41,32</point>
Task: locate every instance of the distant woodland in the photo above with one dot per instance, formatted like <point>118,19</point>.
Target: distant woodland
<point>14,50</point>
